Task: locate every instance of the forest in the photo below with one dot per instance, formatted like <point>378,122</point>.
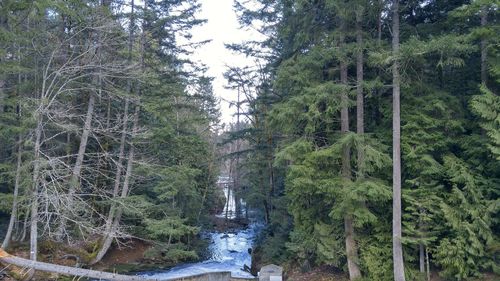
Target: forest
<point>366,140</point>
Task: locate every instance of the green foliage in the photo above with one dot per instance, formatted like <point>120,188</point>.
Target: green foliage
<point>100,49</point>
<point>487,106</point>
<point>449,156</point>
<point>6,202</point>
<point>173,253</point>
<point>374,256</point>
<point>463,253</point>
<point>169,228</point>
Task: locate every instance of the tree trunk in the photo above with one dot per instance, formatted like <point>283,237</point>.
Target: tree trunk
<point>350,242</point>
<point>125,190</point>
<point>110,227</point>
<point>25,224</point>
<point>131,155</point>
<point>34,203</point>
<point>108,239</point>
<point>397,248</point>
<point>360,126</point>
<point>3,24</point>
<point>266,209</point>
<point>484,43</point>
<point>74,182</point>
<point>379,22</point>
<point>65,270</point>
<point>209,172</point>
<point>2,95</point>
<point>421,257</point>
<point>428,264</point>
<point>228,201</point>
<point>13,213</point>
<point>271,185</point>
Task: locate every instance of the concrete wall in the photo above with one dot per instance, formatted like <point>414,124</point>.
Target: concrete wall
<point>212,276</point>
<point>243,279</point>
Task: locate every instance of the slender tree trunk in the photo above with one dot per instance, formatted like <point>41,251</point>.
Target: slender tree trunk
<point>228,202</point>
<point>350,242</point>
<point>14,220</point>
<point>360,126</point>
<point>128,173</point>
<point>399,273</point>
<point>108,112</point>
<point>2,95</point>
<point>74,182</point>
<point>238,147</point>
<point>271,186</point>
<point>25,224</point>
<point>266,209</point>
<point>209,172</point>
<point>131,155</point>
<point>34,203</point>
<point>421,246</point>
<point>207,186</point>
<point>110,225</point>
<point>3,24</point>
<point>270,167</point>
<point>125,191</point>
<point>484,44</point>
<point>379,21</point>
<point>428,264</point>
<point>264,202</point>
<point>13,213</point>
<point>421,257</point>
<point>116,189</point>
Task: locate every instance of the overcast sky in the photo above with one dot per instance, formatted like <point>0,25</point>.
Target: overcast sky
<point>222,27</point>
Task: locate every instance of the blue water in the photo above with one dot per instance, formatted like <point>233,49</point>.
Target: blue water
<point>228,252</point>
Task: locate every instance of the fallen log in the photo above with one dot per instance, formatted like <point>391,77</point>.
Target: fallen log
<point>66,270</point>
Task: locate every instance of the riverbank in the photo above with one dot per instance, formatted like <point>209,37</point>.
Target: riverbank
<point>229,251</point>
<point>224,245</point>
<point>131,258</point>
<point>132,255</point>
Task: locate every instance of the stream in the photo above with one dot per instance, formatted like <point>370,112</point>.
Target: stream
<point>228,251</point>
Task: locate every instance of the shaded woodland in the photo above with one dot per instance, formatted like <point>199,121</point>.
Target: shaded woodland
<point>367,133</point>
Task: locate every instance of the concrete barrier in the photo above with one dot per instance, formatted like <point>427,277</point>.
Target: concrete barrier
<point>271,272</point>
<point>212,276</point>
<point>244,279</point>
<point>209,276</point>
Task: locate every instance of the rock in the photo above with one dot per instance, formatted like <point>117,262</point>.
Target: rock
<point>246,268</point>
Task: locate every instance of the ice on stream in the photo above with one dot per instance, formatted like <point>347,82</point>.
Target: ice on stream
<point>227,251</point>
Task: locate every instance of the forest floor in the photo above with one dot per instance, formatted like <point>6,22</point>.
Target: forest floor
<point>129,257</point>
<point>327,273</point>
<point>322,273</point>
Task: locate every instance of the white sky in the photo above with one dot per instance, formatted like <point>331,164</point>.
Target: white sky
<point>222,27</point>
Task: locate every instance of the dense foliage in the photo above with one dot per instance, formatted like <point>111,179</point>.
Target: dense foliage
<point>106,127</point>
<point>449,133</point>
